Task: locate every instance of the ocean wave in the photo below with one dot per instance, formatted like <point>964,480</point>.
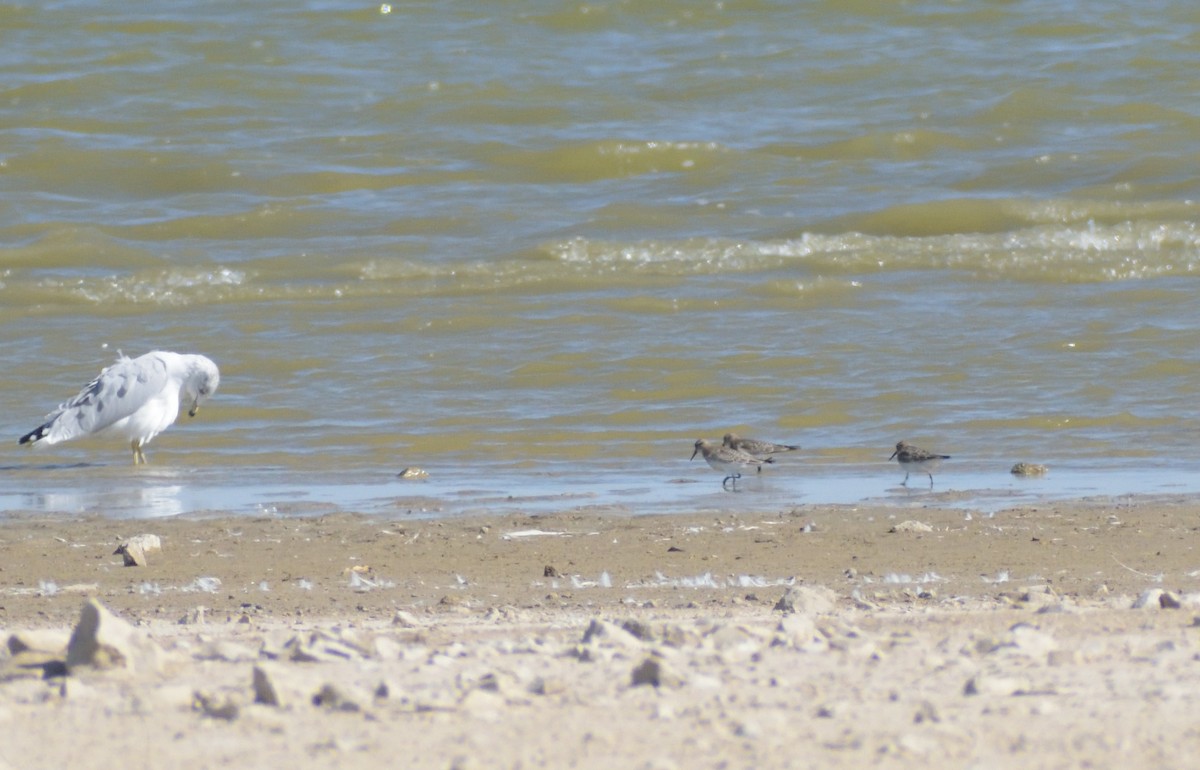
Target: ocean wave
<point>178,286</point>
<point>90,267</point>
<point>1082,252</point>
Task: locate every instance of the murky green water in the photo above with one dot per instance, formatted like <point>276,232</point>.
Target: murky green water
<point>540,248</point>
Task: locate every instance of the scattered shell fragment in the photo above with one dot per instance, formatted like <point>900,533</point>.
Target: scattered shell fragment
<point>413,473</point>
<point>1029,469</point>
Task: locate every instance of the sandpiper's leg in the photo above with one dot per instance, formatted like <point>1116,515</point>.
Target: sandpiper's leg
<point>931,481</point>
<point>905,482</point>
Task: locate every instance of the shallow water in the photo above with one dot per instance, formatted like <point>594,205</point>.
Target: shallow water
<point>539,249</point>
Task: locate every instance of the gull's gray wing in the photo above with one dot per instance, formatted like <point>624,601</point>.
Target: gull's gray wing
<point>116,393</point>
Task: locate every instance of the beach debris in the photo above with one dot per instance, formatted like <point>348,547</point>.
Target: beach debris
<point>104,641</point>
<point>1029,469</point>
<point>194,616</point>
<point>413,473</point>
<point>136,549</point>
<point>911,526</point>
<point>405,619</point>
<point>524,533</point>
<point>1041,599</point>
<point>1155,599</point>
<point>603,581</point>
<point>550,571</point>
<point>206,584</point>
<point>1150,599</point>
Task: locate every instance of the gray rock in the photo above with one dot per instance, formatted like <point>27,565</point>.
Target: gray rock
<point>334,698</point>
<point>226,651</point>
<point>654,671</point>
<point>638,630</point>
<point>44,640</point>
<point>215,707</point>
<point>137,548</point>
<point>104,641</point>
<point>987,684</point>
<point>133,554</point>
<point>386,648</point>
<point>325,646</point>
<point>810,600</point>
<point>926,712</point>
<point>799,630</point>
<point>266,687</point>
<point>405,620</point>
<point>602,631</point>
<point>547,686</point>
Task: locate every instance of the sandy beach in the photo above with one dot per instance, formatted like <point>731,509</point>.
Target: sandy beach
<point>1059,636</point>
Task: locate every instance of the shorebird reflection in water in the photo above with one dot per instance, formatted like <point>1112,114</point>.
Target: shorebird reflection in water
<point>752,446</point>
<point>913,458</point>
<point>726,460</point>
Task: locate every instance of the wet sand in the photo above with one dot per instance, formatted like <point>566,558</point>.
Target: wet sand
<point>816,637</point>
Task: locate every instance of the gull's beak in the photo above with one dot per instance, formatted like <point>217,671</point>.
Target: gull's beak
<point>195,408</point>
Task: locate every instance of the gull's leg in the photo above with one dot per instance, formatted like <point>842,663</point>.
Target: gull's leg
<point>138,457</point>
